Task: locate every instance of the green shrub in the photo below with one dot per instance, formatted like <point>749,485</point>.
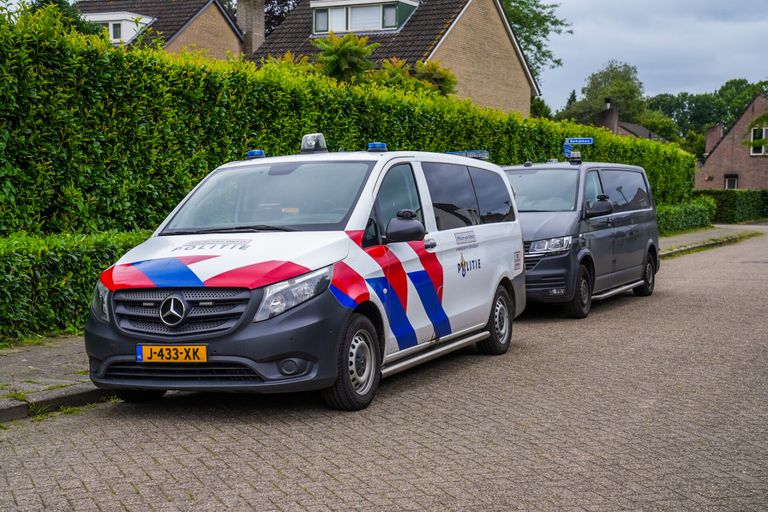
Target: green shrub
<point>738,205</point>
<point>46,283</point>
<point>698,213</point>
<point>94,137</point>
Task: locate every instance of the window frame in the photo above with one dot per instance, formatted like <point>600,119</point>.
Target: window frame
<point>753,150</point>
<point>477,217</point>
<point>327,20</point>
<point>119,27</point>
<point>504,182</point>
<point>628,208</point>
<point>376,212</point>
<point>348,18</point>
<point>384,26</point>
<point>734,177</point>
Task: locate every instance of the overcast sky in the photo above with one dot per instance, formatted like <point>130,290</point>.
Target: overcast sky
<point>677,45</point>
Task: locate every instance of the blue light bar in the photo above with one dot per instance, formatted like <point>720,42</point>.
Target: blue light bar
<point>254,153</point>
<point>377,146</point>
<point>477,154</point>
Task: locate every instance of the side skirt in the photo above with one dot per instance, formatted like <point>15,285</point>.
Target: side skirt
<point>433,353</point>
<point>616,291</point>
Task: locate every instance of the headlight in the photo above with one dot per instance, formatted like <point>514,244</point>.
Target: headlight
<point>100,304</point>
<point>282,296</point>
<point>551,246</point>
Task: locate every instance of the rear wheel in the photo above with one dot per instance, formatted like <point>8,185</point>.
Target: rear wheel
<point>359,367</point>
<point>499,325</point>
<point>581,303</point>
<point>649,278</point>
<point>139,395</point>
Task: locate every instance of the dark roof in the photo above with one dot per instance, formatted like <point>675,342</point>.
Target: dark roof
<point>170,15</point>
<point>415,40</point>
<point>639,131</point>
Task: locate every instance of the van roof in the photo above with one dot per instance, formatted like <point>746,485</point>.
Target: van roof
<point>583,166</point>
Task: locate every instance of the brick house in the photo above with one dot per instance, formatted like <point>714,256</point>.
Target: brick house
<point>200,24</point>
<point>471,37</point>
<point>729,162</point>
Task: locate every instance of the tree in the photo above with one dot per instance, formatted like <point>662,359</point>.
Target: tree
<point>344,58</point>
<point>539,108</point>
<point>571,100</point>
<point>433,73</point>
<point>70,15</point>
<point>533,22</point>
<point>275,11</point>
<point>617,81</point>
<point>660,124</point>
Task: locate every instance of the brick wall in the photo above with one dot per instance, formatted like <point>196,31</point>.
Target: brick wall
<point>210,31</point>
<point>731,156</point>
<point>481,54</point>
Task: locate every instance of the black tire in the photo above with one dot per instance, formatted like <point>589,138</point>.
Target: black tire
<point>135,396</point>
<point>581,303</point>
<point>359,367</point>
<point>649,278</point>
<point>499,325</point>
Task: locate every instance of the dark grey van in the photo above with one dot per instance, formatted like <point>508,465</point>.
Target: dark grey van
<point>589,231</point>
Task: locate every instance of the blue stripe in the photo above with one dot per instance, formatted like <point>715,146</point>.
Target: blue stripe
<point>139,355</point>
<point>431,302</point>
<point>398,320</point>
<point>168,272</point>
<point>344,299</point>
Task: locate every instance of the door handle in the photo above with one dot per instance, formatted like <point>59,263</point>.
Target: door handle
<point>429,243</point>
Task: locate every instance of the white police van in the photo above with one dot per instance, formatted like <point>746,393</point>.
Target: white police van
<point>315,271</point>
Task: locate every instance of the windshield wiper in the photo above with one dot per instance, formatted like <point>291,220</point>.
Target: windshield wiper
<point>251,228</point>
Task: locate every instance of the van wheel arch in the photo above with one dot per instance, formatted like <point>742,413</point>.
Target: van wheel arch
<point>588,262</point>
<point>507,284</point>
<point>371,312</point>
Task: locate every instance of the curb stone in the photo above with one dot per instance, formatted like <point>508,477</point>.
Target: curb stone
<point>714,242</point>
<point>13,410</point>
<point>52,400</point>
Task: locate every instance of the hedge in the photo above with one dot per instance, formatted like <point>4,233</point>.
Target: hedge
<point>94,137</point>
<point>46,283</point>
<point>738,205</point>
<point>698,213</point>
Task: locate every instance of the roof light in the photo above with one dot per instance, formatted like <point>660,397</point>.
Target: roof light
<point>528,164</point>
<point>254,153</point>
<point>377,146</point>
<point>575,158</point>
<point>313,143</point>
<point>477,154</point>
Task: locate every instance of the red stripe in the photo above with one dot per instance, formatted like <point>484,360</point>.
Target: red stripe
<point>432,265</point>
<point>125,276</point>
<point>393,271</point>
<point>258,275</point>
<point>356,236</point>
<point>189,260</point>
<point>350,283</point>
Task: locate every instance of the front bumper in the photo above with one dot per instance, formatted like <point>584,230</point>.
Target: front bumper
<point>552,279</point>
<point>294,351</point>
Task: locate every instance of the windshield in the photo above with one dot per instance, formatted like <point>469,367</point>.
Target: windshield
<point>294,196</point>
<point>544,190</point>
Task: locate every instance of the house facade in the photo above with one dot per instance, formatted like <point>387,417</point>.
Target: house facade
<point>183,24</point>
<point>471,37</point>
<point>729,161</point>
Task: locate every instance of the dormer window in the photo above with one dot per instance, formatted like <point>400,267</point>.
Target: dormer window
<point>359,15</point>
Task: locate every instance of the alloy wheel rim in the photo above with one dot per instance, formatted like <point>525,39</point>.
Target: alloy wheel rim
<point>501,320</point>
<point>361,362</point>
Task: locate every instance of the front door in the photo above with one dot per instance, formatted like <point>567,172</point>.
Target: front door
<point>599,235</point>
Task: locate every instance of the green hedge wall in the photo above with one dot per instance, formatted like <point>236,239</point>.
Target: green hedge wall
<point>698,213</point>
<point>95,138</point>
<point>738,205</point>
<point>46,283</point>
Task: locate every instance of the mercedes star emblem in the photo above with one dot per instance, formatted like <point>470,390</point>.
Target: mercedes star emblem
<point>173,310</point>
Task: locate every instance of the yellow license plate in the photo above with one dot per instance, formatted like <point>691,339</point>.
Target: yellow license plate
<point>171,353</point>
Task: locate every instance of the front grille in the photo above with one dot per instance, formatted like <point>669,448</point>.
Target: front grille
<point>214,310</point>
<point>546,282</point>
<point>184,372</point>
<point>530,260</point>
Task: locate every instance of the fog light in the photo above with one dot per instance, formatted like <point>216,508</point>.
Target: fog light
<point>292,366</point>
<point>557,291</point>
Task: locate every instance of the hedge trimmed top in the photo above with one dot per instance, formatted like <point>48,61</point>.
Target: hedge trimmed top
<point>94,137</point>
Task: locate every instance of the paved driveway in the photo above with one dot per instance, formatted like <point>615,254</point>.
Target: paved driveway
<point>651,403</point>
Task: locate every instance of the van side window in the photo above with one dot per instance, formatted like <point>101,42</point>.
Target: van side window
<point>626,189</point>
<point>592,189</point>
<point>453,196</point>
<point>397,192</point>
<point>492,196</point>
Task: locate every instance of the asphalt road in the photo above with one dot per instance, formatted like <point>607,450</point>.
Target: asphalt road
<point>656,403</point>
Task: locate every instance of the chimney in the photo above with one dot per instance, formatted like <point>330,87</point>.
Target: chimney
<point>250,20</point>
<point>607,103</point>
<point>714,135</point>
<point>609,117</point>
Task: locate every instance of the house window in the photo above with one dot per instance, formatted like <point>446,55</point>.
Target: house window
<point>389,19</point>
<point>758,134</point>
<point>321,20</point>
<point>117,31</point>
<point>731,181</point>
<point>365,18</point>
<point>338,19</point>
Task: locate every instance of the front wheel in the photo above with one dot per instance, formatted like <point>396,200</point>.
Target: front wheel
<point>581,303</point>
<point>649,279</point>
<point>499,325</point>
<point>359,367</point>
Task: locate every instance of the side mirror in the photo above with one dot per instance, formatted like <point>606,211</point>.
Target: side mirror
<point>405,228</point>
<point>601,207</point>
